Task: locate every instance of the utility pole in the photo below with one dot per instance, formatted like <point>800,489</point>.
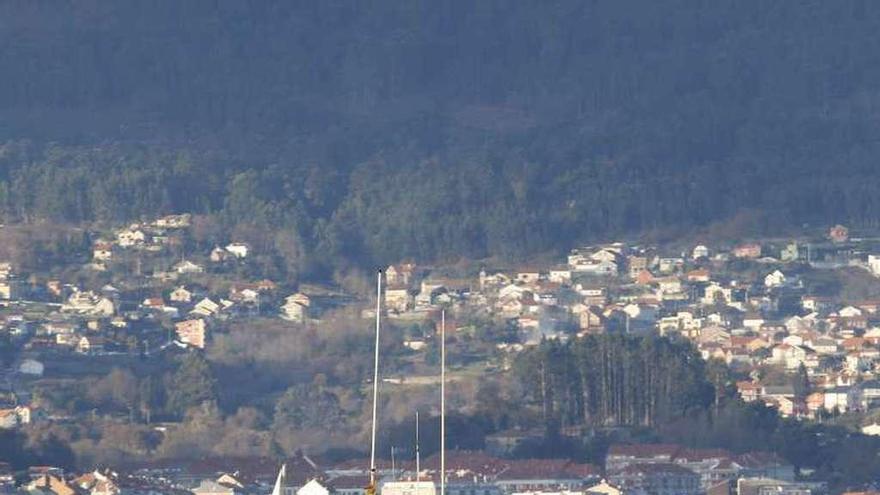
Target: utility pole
<point>371,489</point>
<point>418,464</point>
<point>443,402</point>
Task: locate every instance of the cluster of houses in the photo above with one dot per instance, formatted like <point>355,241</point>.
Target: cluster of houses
<point>158,301</point>
<point>107,319</point>
<point>746,305</point>
<point>648,469</point>
<point>84,319</point>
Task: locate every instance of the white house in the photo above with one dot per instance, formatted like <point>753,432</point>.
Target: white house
<point>238,249</point>
<point>714,292</point>
<point>181,295</point>
<point>511,291</point>
<point>575,260</point>
<point>11,418</point>
<point>313,487</point>
<point>669,265</point>
<point>874,264</point>
<point>294,309</point>
<point>604,488</point>
<point>840,398</point>
<point>775,279</point>
<point>560,275</point>
<point>173,221</point>
<point>869,393</point>
<point>102,251</point>
<point>700,251</point>
<point>850,312</point>
<point>872,429</point>
<point>31,367</point>
<point>668,285</point>
<point>798,355</point>
<point>187,266</point>
<point>753,321</point>
<point>88,303</point>
<point>604,255</point>
<point>206,307</point>
<point>132,236</point>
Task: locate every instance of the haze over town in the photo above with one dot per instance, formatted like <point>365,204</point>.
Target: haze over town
<point>439,248</point>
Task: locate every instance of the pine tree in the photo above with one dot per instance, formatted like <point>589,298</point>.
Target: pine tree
<point>192,384</point>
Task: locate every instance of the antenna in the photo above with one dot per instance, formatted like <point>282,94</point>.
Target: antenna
<point>278,489</point>
<point>372,488</point>
<point>418,465</point>
<point>443,402</point>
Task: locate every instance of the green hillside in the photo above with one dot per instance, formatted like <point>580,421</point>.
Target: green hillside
<point>374,131</point>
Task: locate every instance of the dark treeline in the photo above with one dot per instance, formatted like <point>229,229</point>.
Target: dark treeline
<point>614,380</point>
<point>660,390</point>
<point>441,129</point>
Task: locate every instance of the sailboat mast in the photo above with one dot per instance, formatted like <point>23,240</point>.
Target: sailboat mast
<point>418,464</point>
<point>375,380</point>
<point>443,402</point>
<point>280,481</point>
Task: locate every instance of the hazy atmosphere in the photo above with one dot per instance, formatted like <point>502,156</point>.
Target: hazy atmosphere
<point>598,247</point>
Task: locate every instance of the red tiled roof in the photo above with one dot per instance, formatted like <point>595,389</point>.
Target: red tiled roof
<point>740,340</point>
<point>475,462</point>
<point>657,468</point>
<point>582,470</point>
<point>853,342</point>
<point>546,469</point>
<point>644,450</point>
<point>702,454</point>
<point>759,459</point>
<point>253,468</point>
<point>466,464</point>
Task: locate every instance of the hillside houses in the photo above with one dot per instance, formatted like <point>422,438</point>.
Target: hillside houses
<point>752,305</point>
<point>749,250</point>
<point>790,343</point>
<point>765,317</point>
<point>296,307</point>
<point>181,221</point>
<point>238,249</point>
<point>88,303</point>
<point>193,332</point>
<point>14,417</point>
<point>187,267</point>
<point>401,275</point>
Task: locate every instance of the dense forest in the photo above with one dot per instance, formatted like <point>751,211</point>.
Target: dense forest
<point>661,390</point>
<point>376,131</point>
<point>615,380</point>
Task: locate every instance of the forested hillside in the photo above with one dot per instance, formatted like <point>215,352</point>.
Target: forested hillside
<point>614,380</point>
<point>380,130</point>
<point>663,385</point>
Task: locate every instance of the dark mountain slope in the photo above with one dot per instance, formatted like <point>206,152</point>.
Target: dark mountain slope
<point>432,129</point>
